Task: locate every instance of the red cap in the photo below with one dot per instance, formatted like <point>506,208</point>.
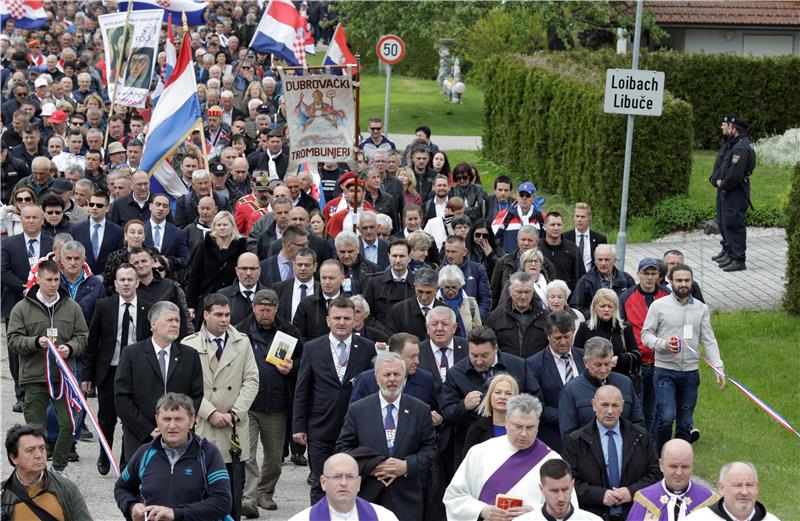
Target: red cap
<point>58,116</point>
<point>347,178</point>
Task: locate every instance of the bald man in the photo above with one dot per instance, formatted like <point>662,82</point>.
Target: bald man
<point>738,486</point>
<point>340,481</point>
<point>676,496</point>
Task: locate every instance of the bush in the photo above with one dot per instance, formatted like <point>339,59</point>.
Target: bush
<point>679,213</point>
<point>791,299</point>
<point>543,115</point>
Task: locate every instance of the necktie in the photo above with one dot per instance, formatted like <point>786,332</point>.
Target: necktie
<point>31,250</point>
<point>220,347</point>
<point>96,241</point>
<point>388,425</point>
<point>126,322</point>
<point>443,363</point>
<point>157,237</point>
<point>248,295</point>
<point>328,304</point>
<point>613,460</point>
<point>342,355</point>
<point>304,291</point>
<point>425,310</point>
<point>488,374</point>
<point>581,243</point>
<point>568,373</point>
<point>162,364</point>
<point>678,501</point>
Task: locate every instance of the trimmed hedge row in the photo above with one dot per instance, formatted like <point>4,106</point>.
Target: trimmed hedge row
<point>791,300</point>
<point>680,213</point>
<point>543,115</point>
<point>765,91</point>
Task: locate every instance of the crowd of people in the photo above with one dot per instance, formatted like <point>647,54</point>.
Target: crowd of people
<point>428,350</point>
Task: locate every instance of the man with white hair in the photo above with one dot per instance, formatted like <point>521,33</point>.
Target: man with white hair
<point>229,112</point>
<point>738,486</point>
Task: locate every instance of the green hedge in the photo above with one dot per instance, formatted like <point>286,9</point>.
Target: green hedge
<point>680,213</point>
<point>791,300</point>
<point>421,59</point>
<point>765,91</point>
<point>543,116</point>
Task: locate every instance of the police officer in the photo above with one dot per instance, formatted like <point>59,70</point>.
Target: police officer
<point>725,127</point>
<point>734,183</point>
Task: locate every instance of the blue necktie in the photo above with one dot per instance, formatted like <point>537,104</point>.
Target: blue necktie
<point>613,467</point>
<point>388,424</point>
<point>303,291</point>
<point>96,241</point>
<point>31,251</point>
<point>157,238</point>
<point>220,347</point>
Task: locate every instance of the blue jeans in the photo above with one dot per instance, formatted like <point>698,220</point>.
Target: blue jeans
<point>676,397</point>
<point>647,397</point>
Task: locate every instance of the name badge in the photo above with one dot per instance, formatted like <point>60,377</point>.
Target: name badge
<point>52,332</point>
<point>390,433</point>
<point>687,331</point>
<point>347,285</point>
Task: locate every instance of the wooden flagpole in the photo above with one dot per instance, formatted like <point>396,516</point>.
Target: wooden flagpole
<point>119,71</point>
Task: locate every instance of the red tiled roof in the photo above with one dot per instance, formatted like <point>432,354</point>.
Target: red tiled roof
<point>726,12</point>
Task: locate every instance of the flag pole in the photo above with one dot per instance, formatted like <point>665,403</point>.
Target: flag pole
<point>202,129</point>
<point>119,66</point>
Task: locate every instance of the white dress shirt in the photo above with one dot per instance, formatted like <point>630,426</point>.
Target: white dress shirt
<point>131,327</point>
<point>395,417</point>
<point>296,293</point>
<point>340,369</point>
<point>168,349</point>
<point>561,365</point>
<point>162,229</point>
<point>587,247</point>
<point>37,247</point>
<point>437,357</point>
<point>100,231</point>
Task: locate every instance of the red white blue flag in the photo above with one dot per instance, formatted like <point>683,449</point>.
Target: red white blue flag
<point>281,32</point>
<point>27,14</point>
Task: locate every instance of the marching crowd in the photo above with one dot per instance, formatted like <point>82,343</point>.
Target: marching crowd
<point>428,350</point>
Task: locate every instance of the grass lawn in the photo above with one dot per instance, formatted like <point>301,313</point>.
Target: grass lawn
<point>759,350</point>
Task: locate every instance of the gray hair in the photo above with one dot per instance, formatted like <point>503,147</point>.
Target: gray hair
<point>268,79</point>
<point>73,246</point>
<point>63,238</point>
<point>426,277</point>
<point>609,247</point>
<point>522,277</point>
<point>532,254</point>
<point>385,357</point>
<point>346,237</point>
<point>200,175</point>
<point>380,153</point>
<point>226,94</point>
<point>254,104</point>
<point>723,473</point>
<point>84,183</point>
<point>525,404</point>
<point>597,347</point>
<point>174,401</point>
<point>154,315</point>
<point>260,117</point>
<point>529,228</point>
<point>442,310</point>
<point>451,273</point>
<point>383,219</point>
<point>75,168</point>
<point>557,284</point>
<point>360,302</point>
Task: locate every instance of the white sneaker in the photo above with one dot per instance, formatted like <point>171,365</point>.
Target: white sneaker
<point>63,472</point>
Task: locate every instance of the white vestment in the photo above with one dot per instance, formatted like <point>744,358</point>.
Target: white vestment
<point>482,460</point>
<point>706,514</point>
<point>383,514</point>
<point>577,515</point>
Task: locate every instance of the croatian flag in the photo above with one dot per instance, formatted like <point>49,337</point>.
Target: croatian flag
<point>27,14</point>
<point>338,52</point>
<point>169,49</point>
<point>280,32</point>
<point>195,10</point>
<point>172,123</point>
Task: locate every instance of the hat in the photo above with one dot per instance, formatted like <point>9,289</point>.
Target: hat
<point>527,186</point>
<point>34,43</point>
<point>262,180</point>
<point>348,178</point>
<point>263,109</point>
<point>648,262</point>
<point>250,52</point>
<point>48,108</point>
<point>264,296</point>
<point>115,148</point>
<point>60,186</point>
<point>216,110</point>
<point>58,116</point>
<point>218,169</point>
<point>41,81</point>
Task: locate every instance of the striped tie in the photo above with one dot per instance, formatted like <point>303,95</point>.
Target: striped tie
<point>568,373</point>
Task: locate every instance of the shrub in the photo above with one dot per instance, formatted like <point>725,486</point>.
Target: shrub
<point>791,299</point>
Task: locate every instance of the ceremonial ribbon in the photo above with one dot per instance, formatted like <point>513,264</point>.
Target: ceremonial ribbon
<point>747,392</point>
<point>71,391</point>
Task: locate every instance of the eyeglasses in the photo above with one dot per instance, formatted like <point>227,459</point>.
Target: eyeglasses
<point>533,261</point>
<point>480,235</point>
<point>246,68</point>
<point>342,477</point>
<point>54,212</point>
<point>97,205</point>
<point>375,129</point>
<point>461,177</point>
<point>525,195</point>
<point>24,199</point>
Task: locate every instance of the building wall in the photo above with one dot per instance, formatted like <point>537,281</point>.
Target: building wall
<point>756,42</point>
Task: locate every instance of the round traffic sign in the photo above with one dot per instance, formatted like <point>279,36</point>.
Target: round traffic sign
<point>391,49</point>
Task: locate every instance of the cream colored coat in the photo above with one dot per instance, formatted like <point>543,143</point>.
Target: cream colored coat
<point>228,385</point>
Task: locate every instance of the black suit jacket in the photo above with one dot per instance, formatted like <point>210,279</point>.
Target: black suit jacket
<point>383,253</point>
<point>320,400</point>
<point>318,244</point>
<point>103,336</point>
<point>584,453</point>
<point>415,442</point>
<point>311,316</point>
<point>173,244</point>
<point>542,367</point>
<point>125,209</point>
<point>241,307</point>
<point>285,291</point>
<point>407,317</point>
<point>113,240</point>
<point>595,239</point>
<point>14,267</point>
<point>138,384</point>
<point>270,271</point>
<point>429,361</point>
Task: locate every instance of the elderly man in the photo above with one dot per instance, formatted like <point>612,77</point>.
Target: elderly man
<point>186,205</point>
<point>341,482</point>
<point>409,315</point>
<point>676,496</point>
<point>373,248</point>
<point>520,322</point>
<point>508,264</point>
<point>135,205</point>
<point>257,200</point>
<point>475,276</point>
<point>357,270</point>
<point>406,448</point>
<point>603,275</point>
<point>507,465</point>
<point>40,179</point>
<point>373,331</point>
<point>738,486</point>
<point>611,458</point>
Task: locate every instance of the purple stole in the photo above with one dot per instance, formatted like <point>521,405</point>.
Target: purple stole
<point>320,512</point>
<point>512,470</point>
<point>650,503</point>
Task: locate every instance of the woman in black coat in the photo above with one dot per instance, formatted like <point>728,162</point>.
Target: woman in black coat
<point>492,409</point>
<point>605,322</point>
<point>214,261</point>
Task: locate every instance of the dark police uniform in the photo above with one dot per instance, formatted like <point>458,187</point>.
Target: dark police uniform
<point>738,164</point>
<point>715,175</point>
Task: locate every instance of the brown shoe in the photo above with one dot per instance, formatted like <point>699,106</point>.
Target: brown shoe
<point>267,503</point>
<point>250,510</point>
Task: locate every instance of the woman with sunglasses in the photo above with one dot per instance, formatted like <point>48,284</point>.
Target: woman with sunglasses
<point>472,194</point>
<point>481,247</point>
<point>133,237</point>
<point>10,222</point>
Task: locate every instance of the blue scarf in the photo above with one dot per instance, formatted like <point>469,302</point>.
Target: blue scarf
<point>455,305</point>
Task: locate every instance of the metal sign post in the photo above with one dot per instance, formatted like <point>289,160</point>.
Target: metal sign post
<point>387,98</point>
<point>390,50</point>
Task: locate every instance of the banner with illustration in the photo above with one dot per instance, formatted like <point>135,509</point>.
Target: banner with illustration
<point>321,116</point>
<point>133,51</point>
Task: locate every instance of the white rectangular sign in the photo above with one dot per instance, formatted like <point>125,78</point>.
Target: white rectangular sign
<point>636,92</point>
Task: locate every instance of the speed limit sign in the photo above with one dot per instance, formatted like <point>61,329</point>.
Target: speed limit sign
<point>391,49</point>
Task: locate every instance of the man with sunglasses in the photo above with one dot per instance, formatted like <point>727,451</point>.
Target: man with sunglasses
<point>376,140</point>
<point>12,170</point>
<point>254,202</point>
<point>55,220</point>
<point>20,92</point>
<point>508,222</point>
<point>98,235</point>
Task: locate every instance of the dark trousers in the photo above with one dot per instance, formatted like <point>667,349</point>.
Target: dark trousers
<point>733,225</point>
<point>106,407</point>
<point>13,367</point>
<point>647,397</point>
<point>720,224</point>
<point>318,452</point>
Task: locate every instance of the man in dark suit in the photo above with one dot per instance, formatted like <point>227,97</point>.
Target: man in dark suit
<point>357,269</point>
<point>240,294</point>
<point>372,248</point>
<point>553,368</point>
<point>586,239</point>
<point>149,369</point>
<point>271,156</point>
<point>168,238</point>
<point>312,310</point>
<point>409,315</point>
<point>154,288</point>
<point>611,458</point>
<point>327,370</point>
<point>97,234</point>
<point>395,284</point>
<point>117,321</point>
<point>300,199</point>
<point>135,205</point>
<point>279,267</point>
<point>407,444</point>
<point>299,217</point>
<point>292,291</point>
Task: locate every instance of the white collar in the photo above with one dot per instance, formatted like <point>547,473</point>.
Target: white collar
<point>41,299</point>
<point>132,302</point>
<point>101,223</point>
<point>558,356</point>
<point>384,402</point>
<point>309,284</point>
<point>242,289</point>
<point>579,233</point>
<point>158,347</point>
<point>748,518</point>
<point>37,237</point>
<point>335,342</point>
<point>396,276</point>
<point>212,339</point>
<point>162,224</point>
<point>451,345</point>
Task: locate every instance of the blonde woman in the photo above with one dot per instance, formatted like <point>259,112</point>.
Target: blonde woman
<point>254,91</point>
<point>214,262</point>
<point>451,292</point>
<point>409,180</point>
<point>492,411</point>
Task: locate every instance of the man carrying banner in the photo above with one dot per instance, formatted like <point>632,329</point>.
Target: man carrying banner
<point>507,465</point>
<point>349,206</point>
<point>47,313</point>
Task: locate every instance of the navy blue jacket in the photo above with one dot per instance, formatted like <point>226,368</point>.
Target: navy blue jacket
<point>89,291</point>
<point>588,285</point>
<point>173,244</point>
<point>419,385</point>
<point>113,240</point>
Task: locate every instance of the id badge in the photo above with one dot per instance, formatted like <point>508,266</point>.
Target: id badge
<point>52,333</point>
<point>687,331</point>
<point>347,285</point>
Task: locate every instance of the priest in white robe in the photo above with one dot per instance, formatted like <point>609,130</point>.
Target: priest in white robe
<point>508,465</point>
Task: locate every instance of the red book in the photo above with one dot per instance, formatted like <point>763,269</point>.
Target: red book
<point>505,502</point>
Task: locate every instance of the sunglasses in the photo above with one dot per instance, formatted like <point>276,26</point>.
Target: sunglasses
<point>24,199</point>
<point>524,194</point>
<point>97,205</point>
<point>461,177</point>
<point>21,94</point>
<point>376,128</point>
<point>53,212</point>
<point>479,235</point>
